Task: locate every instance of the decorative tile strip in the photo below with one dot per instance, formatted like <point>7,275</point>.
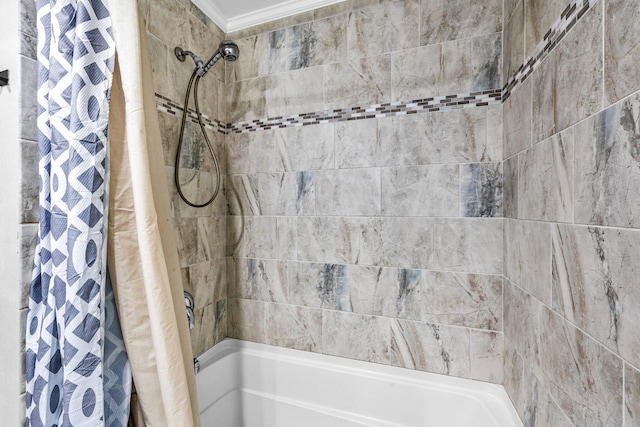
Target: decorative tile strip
<point>168,106</point>
<point>567,20</point>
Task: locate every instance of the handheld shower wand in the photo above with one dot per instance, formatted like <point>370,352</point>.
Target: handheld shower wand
<point>228,51</point>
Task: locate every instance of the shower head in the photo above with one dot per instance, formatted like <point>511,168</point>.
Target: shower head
<point>227,50</point>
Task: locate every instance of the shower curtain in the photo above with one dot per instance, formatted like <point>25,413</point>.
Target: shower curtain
<point>102,191</point>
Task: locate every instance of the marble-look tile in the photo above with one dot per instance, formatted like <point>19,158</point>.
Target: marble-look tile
<point>631,396</point>
<point>529,257</point>
<point>305,148</point>
<point>169,21</point>
<point>545,184</point>
<point>169,134</point>
<point>431,190</point>
<point>206,281</point>
<point>495,124</point>
<point>443,20</point>
<point>486,62</point>
<point>390,292</point>
<point>246,100</point>
<point>348,192</point>
<point>28,238</point>
<point>456,136</point>
<point>481,190</point>
<point>247,320</point>
<point>294,92</point>
<point>487,352</point>
<point>522,315</point>
<point>621,50</point>
<point>158,55</point>
<point>23,349</point>
<point>328,239</point>
<point>510,187</point>
<point>258,279</point>
<point>197,187</point>
<point>387,27</point>
<point>512,375</point>
<point>434,70</point>
<point>204,43</point>
<point>607,158</point>
<point>584,378</point>
<point>211,238</point>
<point>356,336</point>
<point>252,55</point>
<point>220,320</point>
<point>539,16</point>
<point>286,238</point>
<point>517,119</point>
<point>29,179</point>
<point>202,333</point>
<point>432,348</point>
<point>28,46</point>
<point>272,194</point>
<point>251,152</point>
<point>28,19</point>
<point>393,242</point>
<point>320,286</point>
<point>357,145</point>
<point>594,276</point>
<point>186,234</point>
<point>472,245</point>
<point>294,327</point>
<point>251,237</point>
<point>28,99</point>
<point>514,35</point>
<point>459,299</point>
<point>569,82</point>
<point>357,82</point>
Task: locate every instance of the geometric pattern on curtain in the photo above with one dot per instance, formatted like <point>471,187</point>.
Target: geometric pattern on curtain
<point>68,382</point>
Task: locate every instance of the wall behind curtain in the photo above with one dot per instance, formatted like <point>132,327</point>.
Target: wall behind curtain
<point>572,300</point>
<point>200,233</point>
<point>377,239</point>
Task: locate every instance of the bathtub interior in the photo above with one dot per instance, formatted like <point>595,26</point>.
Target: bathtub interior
<point>245,384</point>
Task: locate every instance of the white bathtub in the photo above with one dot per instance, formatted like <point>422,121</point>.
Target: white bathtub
<point>243,384</point>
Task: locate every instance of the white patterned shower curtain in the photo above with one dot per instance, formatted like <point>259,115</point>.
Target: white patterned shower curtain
<point>78,372</point>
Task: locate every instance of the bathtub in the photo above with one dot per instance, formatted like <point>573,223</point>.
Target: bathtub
<point>244,384</point>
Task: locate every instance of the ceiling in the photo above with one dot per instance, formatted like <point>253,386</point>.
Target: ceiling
<point>233,15</point>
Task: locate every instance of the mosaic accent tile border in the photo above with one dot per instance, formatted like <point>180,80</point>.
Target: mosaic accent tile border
<point>568,19</point>
<point>168,106</point>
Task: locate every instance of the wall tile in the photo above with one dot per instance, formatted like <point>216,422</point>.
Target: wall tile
<point>394,242</point>
<point>529,257</point>
<point>197,187</point>
<point>443,20</point>
<point>545,185</point>
<point>606,160</point>
<point>513,53</point>
<point>356,336</point>
<point>251,152</point>
<point>358,145</point>
<point>249,63</point>
<point>246,100</point>
<point>168,20</point>
<point>522,324</point>
<point>211,244</point>
<point>433,348</point>
<point>28,100</point>
<point>328,239</point>
<point>206,281</point>
<point>429,71</point>
<point>29,179</point>
<point>456,136</point>
<point>28,239</point>
<point>539,16</point>
<point>271,194</point>
<point>220,315</point>
<point>421,190</point>
<point>487,351</point>
<point>510,187</point>
<point>247,320</point>
<point>357,82</point>
<point>486,62</point>
<point>512,376</point>
<point>481,190</point>
<point>305,148</point>
<point>544,122</point>
<point>348,192</point>
<point>621,50</point>
<point>294,327</point>
<point>294,92</point>
<point>631,396</point>
<point>471,245</point>
<point>517,120</point>
<point>252,237</point>
<point>387,27</point>
<point>585,378</point>
<point>202,333</point>
<point>320,286</point>
<point>258,279</point>
<point>594,271</point>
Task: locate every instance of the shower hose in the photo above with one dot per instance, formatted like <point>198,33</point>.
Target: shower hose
<point>194,79</point>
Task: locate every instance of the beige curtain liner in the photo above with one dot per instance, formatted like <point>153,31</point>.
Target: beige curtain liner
<point>143,259</point>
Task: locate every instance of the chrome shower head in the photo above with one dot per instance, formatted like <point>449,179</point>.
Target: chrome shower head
<point>228,50</point>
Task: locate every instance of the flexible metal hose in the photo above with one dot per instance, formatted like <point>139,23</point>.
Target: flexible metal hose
<point>194,78</point>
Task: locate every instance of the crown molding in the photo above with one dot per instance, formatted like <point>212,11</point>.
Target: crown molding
<point>260,16</point>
